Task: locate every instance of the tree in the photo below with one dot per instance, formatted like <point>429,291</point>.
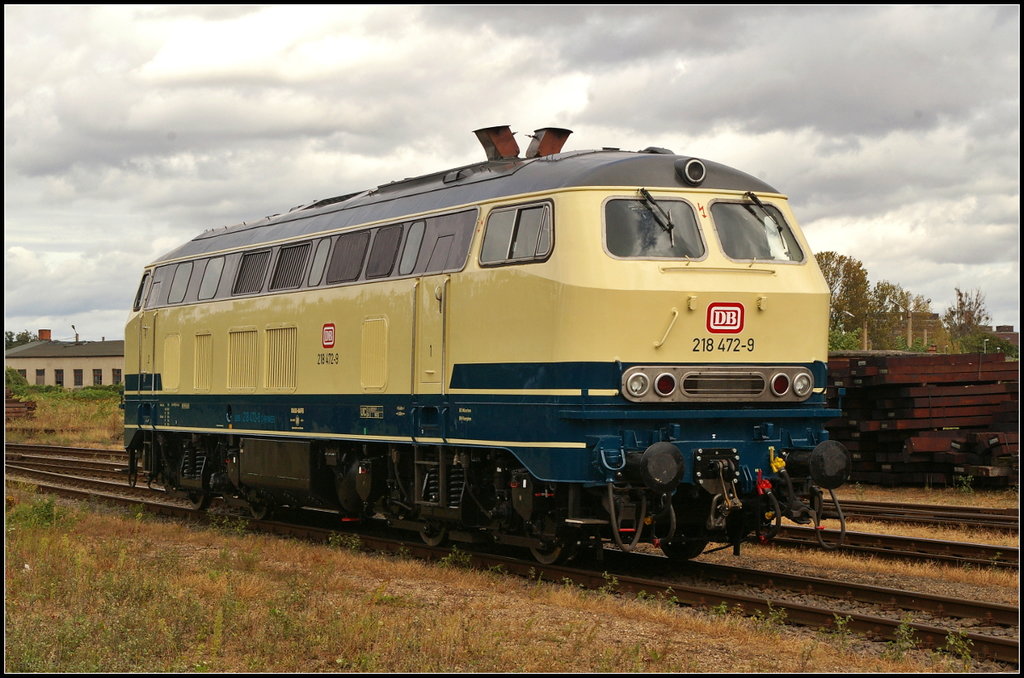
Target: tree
<point>887,323</point>
<point>986,342</point>
<point>24,337</point>
<point>966,316</point>
<point>847,282</point>
<point>891,322</point>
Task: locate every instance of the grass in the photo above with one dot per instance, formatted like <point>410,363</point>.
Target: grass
<point>87,417</point>
<point>91,589</point>
<point>941,496</point>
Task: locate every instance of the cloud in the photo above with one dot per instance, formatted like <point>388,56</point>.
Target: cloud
<point>128,130</point>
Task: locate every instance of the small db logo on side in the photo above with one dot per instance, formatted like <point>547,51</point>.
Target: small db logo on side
<point>725,318</point>
<point>327,335</point>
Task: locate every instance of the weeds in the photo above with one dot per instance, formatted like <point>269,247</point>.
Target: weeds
<point>771,621</point>
<point>840,632</point>
<point>344,540</point>
<point>669,598</point>
<point>39,513</point>
<point>904,642</point>
<point>959,645</point>
<point>720,610</point>
<point>611,583</point>
<point>805,657</point>
<point>379,596</point>
<point>229,524</point>
<point>964,483</point>
<point>456,558</point>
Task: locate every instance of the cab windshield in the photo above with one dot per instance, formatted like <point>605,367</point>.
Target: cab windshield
<point>632,229</point>
<point>755,232</point>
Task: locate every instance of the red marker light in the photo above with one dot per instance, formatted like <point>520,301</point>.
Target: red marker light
<point>665,384</point>
<point>780,384</point>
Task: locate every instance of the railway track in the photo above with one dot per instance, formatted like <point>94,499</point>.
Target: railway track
<point>800,600</point>
<point>1007,519</point>
<point>908,548</point>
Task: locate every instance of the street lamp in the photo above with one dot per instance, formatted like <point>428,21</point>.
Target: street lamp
<point>864,333</point>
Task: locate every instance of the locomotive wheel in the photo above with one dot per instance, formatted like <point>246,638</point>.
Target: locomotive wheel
<point>551,554</point>
<point>259,510</point>
<point>686,550</point>
<point>433,535</point>
<point>199,500</point>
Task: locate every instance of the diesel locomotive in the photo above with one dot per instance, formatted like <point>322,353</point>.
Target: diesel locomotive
<point>556,350</point>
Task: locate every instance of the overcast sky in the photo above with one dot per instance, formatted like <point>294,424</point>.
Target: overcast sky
<point>895,130</point>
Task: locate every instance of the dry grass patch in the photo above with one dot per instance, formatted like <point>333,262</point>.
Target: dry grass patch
<point>979,583</point>
<point>99,591</point>
<point>71,422</point>
<point>940,532</point>
<point>964,495</point>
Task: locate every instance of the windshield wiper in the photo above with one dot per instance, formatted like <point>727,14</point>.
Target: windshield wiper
<point>661,216</point>
<point>776,242</point>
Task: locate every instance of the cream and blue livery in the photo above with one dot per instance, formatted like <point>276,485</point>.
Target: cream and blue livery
<point>553,351</point>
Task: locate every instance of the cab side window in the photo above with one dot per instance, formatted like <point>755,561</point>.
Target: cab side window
<point>518,234</point>
<point>139,294</point>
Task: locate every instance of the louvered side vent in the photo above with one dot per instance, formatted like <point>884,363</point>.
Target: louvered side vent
<point>282,345</point>
<point>202,372</point>
<point>242,359</point>
<point>290,264</point>
<point>251,273</point>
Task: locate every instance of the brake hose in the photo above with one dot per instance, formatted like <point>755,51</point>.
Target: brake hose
<point>615,520</point>
<point>817,521</point>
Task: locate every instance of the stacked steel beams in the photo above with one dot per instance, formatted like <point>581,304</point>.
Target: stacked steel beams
<point>928,419</point>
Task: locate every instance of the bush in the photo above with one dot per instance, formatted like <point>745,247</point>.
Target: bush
<point>14,382</point>
<point>986,342</point>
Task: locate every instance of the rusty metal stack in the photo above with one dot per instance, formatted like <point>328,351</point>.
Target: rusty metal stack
<point>15,409</point>
<point>928,419</point>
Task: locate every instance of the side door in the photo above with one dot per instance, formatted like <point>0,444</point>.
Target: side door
<point>431,326</point>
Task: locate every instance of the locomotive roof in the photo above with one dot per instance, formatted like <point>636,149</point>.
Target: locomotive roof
<point>466,185</point>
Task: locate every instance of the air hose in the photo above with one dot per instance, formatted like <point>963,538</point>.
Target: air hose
<point>615,520</point>
<point>817,511</point>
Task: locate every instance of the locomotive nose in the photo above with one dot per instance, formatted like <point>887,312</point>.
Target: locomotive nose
<point>661,467</point>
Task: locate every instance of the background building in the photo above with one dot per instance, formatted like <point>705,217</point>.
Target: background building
<point>70,364</point>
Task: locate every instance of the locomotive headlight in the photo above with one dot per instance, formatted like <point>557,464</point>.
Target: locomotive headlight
<point>780,384</point>
<point>802,384</point>
<point>691,170</point>
<point>638,384</point>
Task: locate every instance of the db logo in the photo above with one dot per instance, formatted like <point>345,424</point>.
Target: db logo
<point>327,335</point>
<point>725,318</point>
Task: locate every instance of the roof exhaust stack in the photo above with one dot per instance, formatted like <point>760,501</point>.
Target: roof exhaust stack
<point>547,141</point>
<point>498,142</point>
